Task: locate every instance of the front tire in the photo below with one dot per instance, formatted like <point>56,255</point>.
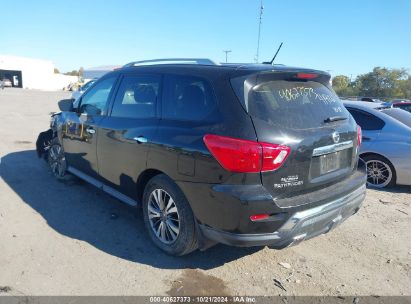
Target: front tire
<point>380,172</point>
<point>57,160</point>
<point>168,217</point>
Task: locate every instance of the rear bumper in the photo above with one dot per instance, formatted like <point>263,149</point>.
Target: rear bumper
<point>302,225</point>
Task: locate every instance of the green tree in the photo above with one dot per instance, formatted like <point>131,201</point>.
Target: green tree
<point>405,87</point>
<point>72,73</point>
<point>343,86</point>
<point>381,82</point>
<point>340,82</point>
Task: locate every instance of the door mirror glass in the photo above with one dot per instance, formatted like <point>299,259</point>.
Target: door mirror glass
<point>66,105</point>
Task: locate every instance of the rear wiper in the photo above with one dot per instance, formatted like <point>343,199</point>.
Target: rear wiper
<point>334,118</point>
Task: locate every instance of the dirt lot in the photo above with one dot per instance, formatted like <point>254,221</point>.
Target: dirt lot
<point>72,239</point>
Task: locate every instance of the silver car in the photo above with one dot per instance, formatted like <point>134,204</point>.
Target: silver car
<point>386,147</point>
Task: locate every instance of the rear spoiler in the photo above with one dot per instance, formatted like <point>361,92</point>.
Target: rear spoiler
<point>293,75</point>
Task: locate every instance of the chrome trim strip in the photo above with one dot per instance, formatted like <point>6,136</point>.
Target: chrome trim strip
<point>118,195</point>
<point>333,148</point>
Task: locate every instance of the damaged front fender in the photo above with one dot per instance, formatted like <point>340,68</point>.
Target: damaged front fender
<point>43,143</point>
<point>44,139</point>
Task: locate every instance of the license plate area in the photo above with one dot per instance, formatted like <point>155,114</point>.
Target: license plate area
<point>330,162</point>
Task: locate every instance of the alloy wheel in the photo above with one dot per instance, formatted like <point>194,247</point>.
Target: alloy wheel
<point>163,216</point>
<point>57,161</point>
<point>379,174</point>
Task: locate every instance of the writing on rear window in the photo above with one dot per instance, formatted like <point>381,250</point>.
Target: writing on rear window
<point>292,104</point>
<point>297,92</point>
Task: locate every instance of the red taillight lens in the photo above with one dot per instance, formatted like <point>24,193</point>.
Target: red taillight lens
<point>259,217</point>
<point>359,135</point>
<point>235,155</point>
<point>274,156</point>
<point>246,156</point>
<point>306,75</point>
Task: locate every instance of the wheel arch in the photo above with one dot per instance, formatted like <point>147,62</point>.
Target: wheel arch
<point>377,154</point>
<point>143,179</point>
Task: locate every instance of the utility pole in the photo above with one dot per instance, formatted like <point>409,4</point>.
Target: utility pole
<point>259,32</point>
<point>226,55</point>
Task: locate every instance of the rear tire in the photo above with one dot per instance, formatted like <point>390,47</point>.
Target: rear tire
<point>380,172</point>
<point>168,217</point>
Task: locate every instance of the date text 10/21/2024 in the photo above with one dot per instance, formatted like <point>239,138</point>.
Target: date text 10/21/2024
<point>202,299</point>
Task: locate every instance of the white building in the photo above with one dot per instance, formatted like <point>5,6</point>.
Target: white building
<point>31,73</point>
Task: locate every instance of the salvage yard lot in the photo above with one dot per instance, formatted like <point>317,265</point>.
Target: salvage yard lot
<point>72,239</point>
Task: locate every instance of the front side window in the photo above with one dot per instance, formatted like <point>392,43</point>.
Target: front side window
<point>137,97</point>
<point>187,98</point>
<point>87,85</point>
<point>94,101</point>
<point>366,121</point>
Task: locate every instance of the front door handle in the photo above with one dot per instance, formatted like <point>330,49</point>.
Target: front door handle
<point>140,139</point>
<point>90,130</point>
<point>365,138</point>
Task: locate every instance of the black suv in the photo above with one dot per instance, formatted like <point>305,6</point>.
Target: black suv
<point>245,155</point>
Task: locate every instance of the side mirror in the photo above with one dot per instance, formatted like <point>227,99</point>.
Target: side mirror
<point>66,105</point>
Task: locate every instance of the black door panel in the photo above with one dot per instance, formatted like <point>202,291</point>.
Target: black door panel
<point>79,141</point>
<point>80,129</point>
<point>121,156</point>
<point>126,134</point>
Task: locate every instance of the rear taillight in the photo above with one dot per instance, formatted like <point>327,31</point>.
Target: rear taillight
<point>359,135</point>
<point>246,156</point>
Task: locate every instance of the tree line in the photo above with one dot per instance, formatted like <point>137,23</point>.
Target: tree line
<point>72,73</point>
<point>382,83</point>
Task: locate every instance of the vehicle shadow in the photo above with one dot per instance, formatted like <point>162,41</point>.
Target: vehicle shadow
<point>80,211</point>
<point>396,189</point>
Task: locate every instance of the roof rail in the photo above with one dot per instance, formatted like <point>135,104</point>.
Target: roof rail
<point>201,61</point>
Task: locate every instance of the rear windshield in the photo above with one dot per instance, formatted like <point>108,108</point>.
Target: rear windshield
<point>400,115</point>
<point>291,104</point>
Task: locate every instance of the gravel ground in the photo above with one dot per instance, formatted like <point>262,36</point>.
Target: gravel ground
<point>72,239</point>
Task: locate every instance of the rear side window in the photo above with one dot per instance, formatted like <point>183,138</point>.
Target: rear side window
<point>367,121</point>
<point>291,104</point>
<point>400,115</point>
<point>187,98</point>
<point>137,97</point>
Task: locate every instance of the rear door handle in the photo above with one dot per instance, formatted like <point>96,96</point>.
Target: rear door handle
<point>365,138</point>
<point>141,139</point>
<point>90,130</point>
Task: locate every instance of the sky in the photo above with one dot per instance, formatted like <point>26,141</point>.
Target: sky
<point>343,37</point>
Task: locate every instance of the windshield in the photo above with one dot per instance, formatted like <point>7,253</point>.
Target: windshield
<point>400,115</point>
<point>295,104</point>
